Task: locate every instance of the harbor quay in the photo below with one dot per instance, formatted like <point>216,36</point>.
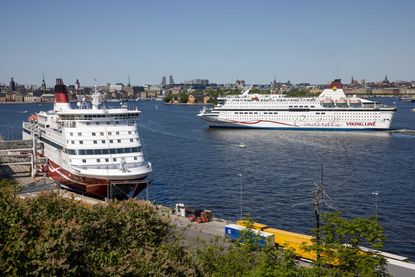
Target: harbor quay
<point>194,234</point>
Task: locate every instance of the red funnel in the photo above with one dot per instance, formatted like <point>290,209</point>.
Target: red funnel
<point>61,94</point>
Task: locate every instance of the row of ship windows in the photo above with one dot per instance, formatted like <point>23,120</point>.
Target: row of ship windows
<point>261,113</point>
<point>298,106</point>
<point>309,116</point>
<point>98,123</point>
<point>106,160</point>
<point>93,116</point>
<point>102,133</point>
<point>102,141</point>
<point>104,151</point>
<point>273,99</point>
<point>337,113</point>
<point>73,124</point>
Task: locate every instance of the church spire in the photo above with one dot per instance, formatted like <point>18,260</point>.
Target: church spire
<point>43,86</point>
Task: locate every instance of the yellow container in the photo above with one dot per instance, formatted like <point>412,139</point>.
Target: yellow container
<point>293,241</point>
<point>255,225</point>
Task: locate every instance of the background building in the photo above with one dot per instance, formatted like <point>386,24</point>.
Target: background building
<point>12,85</point>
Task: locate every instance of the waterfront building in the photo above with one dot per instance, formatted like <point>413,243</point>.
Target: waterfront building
<point>204,82</point>
<point>115,88</point>
<point>240,83</point>
<point>163,81</point>
<point>171,82</point>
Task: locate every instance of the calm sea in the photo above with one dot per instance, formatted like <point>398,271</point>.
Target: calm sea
<point>201,167</point>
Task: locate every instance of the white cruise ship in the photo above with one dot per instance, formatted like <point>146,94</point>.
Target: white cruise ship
<point>331,110</point>
<point>93,150</point>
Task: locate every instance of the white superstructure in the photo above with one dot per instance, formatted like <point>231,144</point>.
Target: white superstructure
<point>331,110</point>
<point>90,148</point>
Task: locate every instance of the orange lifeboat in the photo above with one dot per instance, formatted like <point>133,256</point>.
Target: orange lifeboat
<point>33,118</point>
<point>327,102</point>
<point>341,102</point>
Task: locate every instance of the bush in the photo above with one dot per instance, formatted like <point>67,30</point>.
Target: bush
<point>48,235</point>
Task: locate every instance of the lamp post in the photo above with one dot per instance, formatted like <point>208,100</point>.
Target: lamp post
<point>240,181</point>
<point>376,193</point>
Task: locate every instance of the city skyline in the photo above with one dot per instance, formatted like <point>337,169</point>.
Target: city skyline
<point>299,41</point>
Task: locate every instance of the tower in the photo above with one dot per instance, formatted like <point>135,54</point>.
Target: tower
<point>163,81</point>
<point>43,86</point>
<point>12,85</point>
<point>171,82</point>
<point>129,83</point>
<point>77,86</point>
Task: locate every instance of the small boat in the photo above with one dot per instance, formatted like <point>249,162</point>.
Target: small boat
<point>241,145</point>
<point>413,110</point>
<point>407,99</point>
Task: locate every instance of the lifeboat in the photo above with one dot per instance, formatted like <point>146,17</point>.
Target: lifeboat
<point>327,102</point>
<point>341,102</point>
<point>33,118</point>
<point>354,102</point>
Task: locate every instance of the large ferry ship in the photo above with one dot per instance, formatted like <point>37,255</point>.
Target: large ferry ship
<point>91,149</point>
<point>331,110</point>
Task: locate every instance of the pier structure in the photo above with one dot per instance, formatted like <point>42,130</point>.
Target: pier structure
<point>21,152</point>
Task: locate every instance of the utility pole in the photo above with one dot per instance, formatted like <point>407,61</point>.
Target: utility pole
<point>319,195</point>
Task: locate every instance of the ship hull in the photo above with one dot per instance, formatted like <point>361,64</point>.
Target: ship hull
<point>95,187</point>
<point>301,121</point>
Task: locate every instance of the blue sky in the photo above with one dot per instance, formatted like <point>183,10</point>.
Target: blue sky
<point>300,41</point>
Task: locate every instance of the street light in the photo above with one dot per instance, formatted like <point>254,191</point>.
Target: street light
<point>376,193</point>
<point>240,180</point>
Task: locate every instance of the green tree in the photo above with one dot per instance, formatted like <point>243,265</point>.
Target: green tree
<point>341,240</point>
<point>183,98</point>
<point>168,98</point>
<point>49,235</point>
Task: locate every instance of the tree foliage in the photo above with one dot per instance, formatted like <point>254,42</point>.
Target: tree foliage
<point>168,98</point>
<point>341,239</point>
<point>183,97</point>
<point>48,235</point>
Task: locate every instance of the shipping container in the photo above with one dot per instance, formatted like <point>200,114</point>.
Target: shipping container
<point>293,241</point>
<point>255,225</point>
<point>234,232</point>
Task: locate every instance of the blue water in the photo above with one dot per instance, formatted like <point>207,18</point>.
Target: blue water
<point>199,166</point>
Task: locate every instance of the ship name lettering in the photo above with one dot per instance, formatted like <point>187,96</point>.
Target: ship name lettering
<point>372,123</point>
<point>301,122</point>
